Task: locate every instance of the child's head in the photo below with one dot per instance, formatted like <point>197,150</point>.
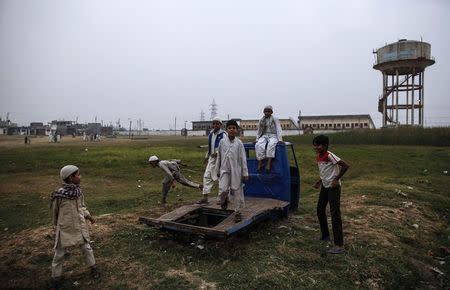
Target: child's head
<point>70,174</point>
<point>321,143</point>
<point>232,128</point>
<point>153,160</point>
<point>268,111</point>
<point>216,124</point>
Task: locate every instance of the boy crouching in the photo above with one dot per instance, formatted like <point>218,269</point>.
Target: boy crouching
<point>69,218</point>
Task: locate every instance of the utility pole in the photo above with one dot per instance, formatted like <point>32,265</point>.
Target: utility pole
<point>175,125</point>
<point>129,131</point>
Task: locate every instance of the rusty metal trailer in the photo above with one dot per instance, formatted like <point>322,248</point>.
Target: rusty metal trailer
<point>268,195</point>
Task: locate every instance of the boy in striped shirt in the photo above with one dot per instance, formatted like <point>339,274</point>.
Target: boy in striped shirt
<point>331,169</point>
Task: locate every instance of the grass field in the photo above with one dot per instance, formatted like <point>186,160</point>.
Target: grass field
<point>395,206</point>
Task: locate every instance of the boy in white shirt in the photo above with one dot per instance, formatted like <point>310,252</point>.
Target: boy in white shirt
<point>331,169</point>
<point>269,134</point>
<point>210,175</point>
<point>172,170</point>
<point>233,171</point>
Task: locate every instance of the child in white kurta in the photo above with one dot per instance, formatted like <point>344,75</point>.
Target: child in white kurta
<point>269,134</point>
<point>210,175</point>
<point>233,170</point>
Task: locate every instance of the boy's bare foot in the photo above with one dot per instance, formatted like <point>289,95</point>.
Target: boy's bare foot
<point>237,217</point>
<point>200,187</point>
<point>260,165</point>
<point>204,200</point>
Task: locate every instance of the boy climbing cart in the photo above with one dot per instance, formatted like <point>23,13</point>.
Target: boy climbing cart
<point>267,196</point>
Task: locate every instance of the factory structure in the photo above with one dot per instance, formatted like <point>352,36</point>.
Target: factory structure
<point>402,65</point>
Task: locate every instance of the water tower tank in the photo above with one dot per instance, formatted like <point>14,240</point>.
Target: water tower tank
<point>403,65</point>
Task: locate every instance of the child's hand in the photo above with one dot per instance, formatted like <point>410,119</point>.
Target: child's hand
<point>335,183</point>
<point>91,219</point>
<point>245,178</point>
<point>317,184</point>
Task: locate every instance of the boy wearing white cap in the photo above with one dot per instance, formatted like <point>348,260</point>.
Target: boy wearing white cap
<point>269,134</point>
<point>172,170</point>
<point>69,218</point>
<point>210,176</point>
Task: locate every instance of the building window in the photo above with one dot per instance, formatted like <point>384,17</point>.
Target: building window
<point>347,125</point>
<point>356,125</point>
<point>314,125</point>
<point>322,125</point>
<point>366,125</point>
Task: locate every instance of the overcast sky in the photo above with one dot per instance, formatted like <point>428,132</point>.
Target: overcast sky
<point>157,60</point>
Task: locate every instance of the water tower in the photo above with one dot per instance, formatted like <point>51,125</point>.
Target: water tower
<point>403,66</point>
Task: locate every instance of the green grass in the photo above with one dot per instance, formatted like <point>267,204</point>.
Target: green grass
<point>439,136</point>
<point>384,250</point>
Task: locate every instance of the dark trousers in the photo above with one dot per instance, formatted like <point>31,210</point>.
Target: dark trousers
<point>333,196</point>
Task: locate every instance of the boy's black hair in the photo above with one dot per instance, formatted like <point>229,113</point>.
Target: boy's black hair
<point>321,140</point>
<point>67,179</point>
<point>231,123</point>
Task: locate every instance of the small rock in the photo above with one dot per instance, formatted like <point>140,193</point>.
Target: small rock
<point>283,227</point>
<point>445,172</point>
<point>416,226</point>
<point>200,247</point>
<point>139,186</point>
<point>442,262</point>
<point>86,151</point>
<point>410,187</point>
<point>5,229</point>
<point>76,283</point>
<point>363,196</point>
<point>407,204</point>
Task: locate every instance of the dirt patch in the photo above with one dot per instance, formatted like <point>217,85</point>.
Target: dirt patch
<point>192,278</point>
<point>25,257</point>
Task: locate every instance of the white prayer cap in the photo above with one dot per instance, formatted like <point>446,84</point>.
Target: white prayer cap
<point>217,119</point>
<point>153,158</point>
<point>268,107</point>
<point>67,171</point>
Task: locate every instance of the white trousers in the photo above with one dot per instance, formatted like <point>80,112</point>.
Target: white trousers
<point>59,257</point>
<point>235,197</point>
<point>208,176</point>
<point>260,147</point>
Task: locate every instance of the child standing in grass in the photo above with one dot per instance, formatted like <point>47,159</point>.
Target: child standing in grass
<point>331,169</point>
<point>232,165</point>
<point>69,218</point>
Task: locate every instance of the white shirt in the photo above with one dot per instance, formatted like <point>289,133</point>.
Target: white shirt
<point>328,168</point>
<point>232,160</point>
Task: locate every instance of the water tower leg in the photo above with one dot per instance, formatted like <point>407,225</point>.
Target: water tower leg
<point>412,98</point>
<point>407,100</point>
<point>396,99</point>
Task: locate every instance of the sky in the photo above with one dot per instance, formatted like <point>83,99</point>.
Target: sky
<point>158,61</point>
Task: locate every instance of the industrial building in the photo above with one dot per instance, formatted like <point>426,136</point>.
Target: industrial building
<point>333,123</point>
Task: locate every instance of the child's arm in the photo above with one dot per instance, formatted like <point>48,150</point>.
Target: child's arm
<point>343,168</point>
<point>86,213</point>
<point>278,127</point>
<point>243,159</point>
<point>317,184</point>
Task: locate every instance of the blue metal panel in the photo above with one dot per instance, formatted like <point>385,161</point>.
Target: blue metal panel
<point>275,184</point>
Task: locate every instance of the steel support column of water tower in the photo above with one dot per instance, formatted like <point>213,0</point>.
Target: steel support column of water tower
<point>403,66</point>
